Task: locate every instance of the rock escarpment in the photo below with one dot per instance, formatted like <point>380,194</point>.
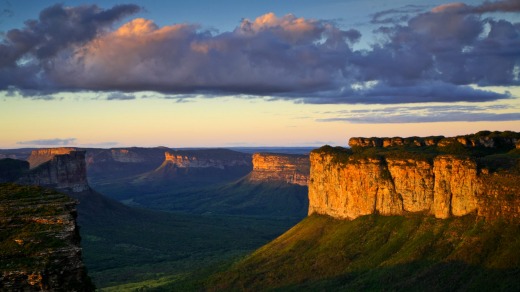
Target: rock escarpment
<point>484,139</point>
<point>200,166</point>
<point>65,172</point>
<point>347,185</point>
<point>41,156</point>
<point>39,241</point>
<point>181,161</point>
<point>219,158</point>
<point>288,168</point>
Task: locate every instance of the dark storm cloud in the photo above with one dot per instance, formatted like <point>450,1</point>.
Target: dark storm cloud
<point>423,114</point>
<point>28,53</point>
<point>49,142</point>
<point>421,56</point>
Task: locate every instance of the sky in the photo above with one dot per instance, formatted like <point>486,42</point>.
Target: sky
<point>254,73</point>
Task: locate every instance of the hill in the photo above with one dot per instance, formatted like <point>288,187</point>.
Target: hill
<point>374,252</point>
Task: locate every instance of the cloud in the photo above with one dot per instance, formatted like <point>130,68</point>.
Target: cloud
<point>120,96</point>
<point>498,6</point>
<point>424,114</point>
<point>396,15</point>
<point>49,142</point>
<point>420,56</point>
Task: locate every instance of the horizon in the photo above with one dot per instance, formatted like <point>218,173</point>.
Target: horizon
<point>266,74</point>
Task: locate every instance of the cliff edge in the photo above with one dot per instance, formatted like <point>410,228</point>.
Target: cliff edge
<point>39,241</point>
<point>66,172</point>
<point>288,168</point>
<point>438,180</point>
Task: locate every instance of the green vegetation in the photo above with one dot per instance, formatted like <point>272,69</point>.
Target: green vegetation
<point>266,200</point>
<point>23,240</point>
<point>374,252</point>
<point>123,245</point>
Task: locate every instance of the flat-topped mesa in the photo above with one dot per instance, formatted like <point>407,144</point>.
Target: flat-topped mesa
<point>347,184</point>
<point>485,139</point>
<point>288,168</point>
<point>66,172</point>
<point>199,159</point>
<point>40,156</point>
<point>126,155</point>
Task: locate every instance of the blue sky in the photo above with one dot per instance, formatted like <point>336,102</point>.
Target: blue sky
<point>251,73</point>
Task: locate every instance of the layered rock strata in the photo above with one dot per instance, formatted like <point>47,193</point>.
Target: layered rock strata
<point>39,241</point>
<point>292,169</point>
<point>484,139</point>
<point>67,172</point>
<point>345,186</point>
<point>200,159</point>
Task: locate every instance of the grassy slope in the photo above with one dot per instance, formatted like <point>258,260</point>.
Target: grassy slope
<point>128,245</point>
<point>242,198</point>
<point>383,253</point>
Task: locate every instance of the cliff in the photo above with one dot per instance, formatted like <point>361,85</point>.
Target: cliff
<point>40,156</point>
<point>484,139</point>
<point>292,169</point>
<point>65,172</point>
<point>208,161</point>
<point>217,158</point>
<point>346,184</point>
<point>39,241</point>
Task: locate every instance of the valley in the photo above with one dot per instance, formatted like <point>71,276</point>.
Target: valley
<point>385,214</point>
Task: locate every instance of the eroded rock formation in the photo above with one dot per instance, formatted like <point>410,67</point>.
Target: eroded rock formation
<point>485,139</point>
<point>39,241</point>
<point>293,169</point>
<point>65,172</point>
<point>347,186</point>
<point>204,159</point>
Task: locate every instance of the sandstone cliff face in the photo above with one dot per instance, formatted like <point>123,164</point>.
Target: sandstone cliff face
<point>185,160</point>
<point>414,182</point>
<point>456,186</point>
<point>292,169</point>
<point>40,156</point>
<point>65,172</point>
<point>448,186</point>
<point>351,190</point>
<point>39,241</point>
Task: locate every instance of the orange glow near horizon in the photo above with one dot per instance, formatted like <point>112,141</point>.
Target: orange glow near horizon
<point>202,122</point>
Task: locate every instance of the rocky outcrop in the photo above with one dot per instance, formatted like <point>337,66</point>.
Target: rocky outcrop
<point>39,241</point>
<point>292,169</point>
<point>201,165</point>
<point>65,172</point>
<point>347,186</point>
<point>40,156</point>
<point>485,139</point>
<point>204,159</point>
<point>126,155</point>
